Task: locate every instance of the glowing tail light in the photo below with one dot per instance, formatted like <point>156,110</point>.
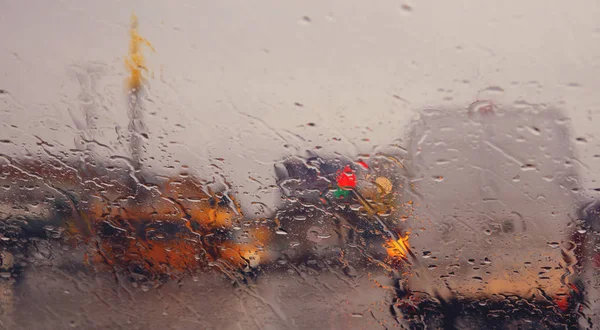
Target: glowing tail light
<point>398,249</point>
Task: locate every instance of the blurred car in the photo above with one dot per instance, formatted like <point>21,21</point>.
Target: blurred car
<point>151,231</point>
<point>337,209</point>
<point>495,222</point>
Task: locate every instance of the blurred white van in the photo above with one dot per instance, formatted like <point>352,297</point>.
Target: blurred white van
<point>496,198</point>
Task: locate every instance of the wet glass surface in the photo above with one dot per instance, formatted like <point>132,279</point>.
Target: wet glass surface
<point>304,165</point>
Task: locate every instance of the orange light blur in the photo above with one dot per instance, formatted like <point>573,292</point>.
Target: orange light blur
<point>398,249</point>
<point>136,62</point>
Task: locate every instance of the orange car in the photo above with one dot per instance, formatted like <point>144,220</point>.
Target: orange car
<point>171,230</point>
<point>153,231</point>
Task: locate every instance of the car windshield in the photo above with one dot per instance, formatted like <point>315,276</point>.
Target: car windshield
<point>299,165</point>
